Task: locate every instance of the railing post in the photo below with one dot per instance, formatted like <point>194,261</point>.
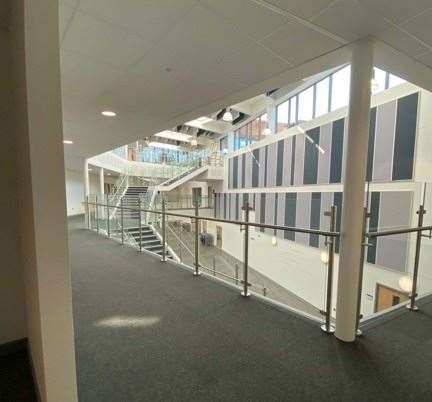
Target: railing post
<point>97,214</point>
<point>327,326</point>
<point>108,216</point>
<point>412,306</point>
<point>139,224</point>
<point>197,271</point>
<point>88,211</point>
<point>163,230</point>
<point>122,220</point>
<point>362,256</point>
<point>245,291</point>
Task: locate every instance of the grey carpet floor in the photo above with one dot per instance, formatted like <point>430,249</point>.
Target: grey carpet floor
<point>148,331</point>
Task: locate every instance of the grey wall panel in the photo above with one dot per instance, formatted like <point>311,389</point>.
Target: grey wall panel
<point>271,165</point>
<point>257,208</point>
<point>248,170</point>
<point>384,138</point>
<point>324,156</point>
<point>371,144</point>
<point>230,161</point>
<point>224,206</point>
<point>239,172</point>
<point>233,206</point>
<point>286,175</point>
<point>262,209</point>
<point>395,211</point>
<point>290,214</point>
<point>299,159</point>
<point>280,162</point>
<point>315,212</point>
<point>262,167</point>
<point>405,133</point>
<point>374,207</point>
<point>255,167</point>
<point>312,142</point>
<point>243,170</point>
<point>270,211</point>
<point>337,151</point>
<point>326,203</point>
<point>280,219</point>
<point>303,216</point>
<point>235,172</point>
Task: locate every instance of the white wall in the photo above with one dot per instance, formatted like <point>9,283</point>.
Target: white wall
<point>75,189</point>
<point>12,310</point>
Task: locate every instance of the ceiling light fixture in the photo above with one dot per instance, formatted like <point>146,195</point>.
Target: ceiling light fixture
<point>109,113</point>
<point>194,142</point>
<point>267,131</point>
<point>155,144</point>
<point>174,135</point>
<point>67,142</point>
<point>227,116</point>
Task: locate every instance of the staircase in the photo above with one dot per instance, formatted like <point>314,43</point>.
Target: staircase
<point>150,241</point>
<point>131,200</point>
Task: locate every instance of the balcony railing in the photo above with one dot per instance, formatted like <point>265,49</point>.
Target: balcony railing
<point>188,237</point>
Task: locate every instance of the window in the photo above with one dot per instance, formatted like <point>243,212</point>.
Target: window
<point>293,109</point>
<point>322,97</point>
<point>395,80</point>
<point>282,116</point>
<point>306,104</point>
<point>378,81</point>
<point>340,88</point>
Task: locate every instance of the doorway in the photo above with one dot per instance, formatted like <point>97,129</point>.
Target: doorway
<point>219,236</point>
<point>388,297</point>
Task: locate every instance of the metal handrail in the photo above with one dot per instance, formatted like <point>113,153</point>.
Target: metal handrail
<point>240,223</point>
<point>398,231</point>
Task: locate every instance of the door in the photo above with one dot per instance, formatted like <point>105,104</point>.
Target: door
<point>387,297</point>
<point>219,236</point>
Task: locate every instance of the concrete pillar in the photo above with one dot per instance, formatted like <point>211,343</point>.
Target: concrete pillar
<point>353,189</point>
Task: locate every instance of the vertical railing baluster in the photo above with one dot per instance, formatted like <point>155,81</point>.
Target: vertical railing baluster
<point>97,214</point>
<point>327,326</point>
<point>245,291</point>
<point>139,224</point>
<point>108,216</point>
<point>163,230</point>
<point>412,306</point>
<point>122,220</point>
<point>197,271</point>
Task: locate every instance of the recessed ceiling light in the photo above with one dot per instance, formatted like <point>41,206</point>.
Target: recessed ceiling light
<point>227,116</point>
<point>109,113</point>
<point>108,174</point>
<point>194,142</point>
<point>67,142</point>
<point>267,131</point>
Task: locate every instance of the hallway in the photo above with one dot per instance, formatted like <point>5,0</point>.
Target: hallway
<point>148,331</point>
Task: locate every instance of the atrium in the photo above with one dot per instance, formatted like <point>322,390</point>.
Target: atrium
<point>216,200</point>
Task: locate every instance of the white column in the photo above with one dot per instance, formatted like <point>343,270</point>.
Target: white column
<point>353,189</point>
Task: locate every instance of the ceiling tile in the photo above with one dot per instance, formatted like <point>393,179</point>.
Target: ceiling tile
<point>83,77</point>
<point>265,65</point>
<point>425,59</point>
<point>302,8</point>
<point>297,43</point>
<point>150,19</point>
<point>350,20</point>
<point>421,27</point>
<point>203,38</point>
<point>401,41</point>
<point>103,42</point>
<point>397,10</point>
<point>250,18</point>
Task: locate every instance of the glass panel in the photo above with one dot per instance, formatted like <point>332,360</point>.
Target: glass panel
<point>322,97</point>
<point>395,80</point>
<point>255,130</point>
<point>282,116</point>
<point>305,111</point>
<point>293,108</point>
<point>340,88</point>
<point>378,81</point>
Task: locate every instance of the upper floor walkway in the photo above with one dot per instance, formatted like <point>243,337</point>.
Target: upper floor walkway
<point>151,331</point>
